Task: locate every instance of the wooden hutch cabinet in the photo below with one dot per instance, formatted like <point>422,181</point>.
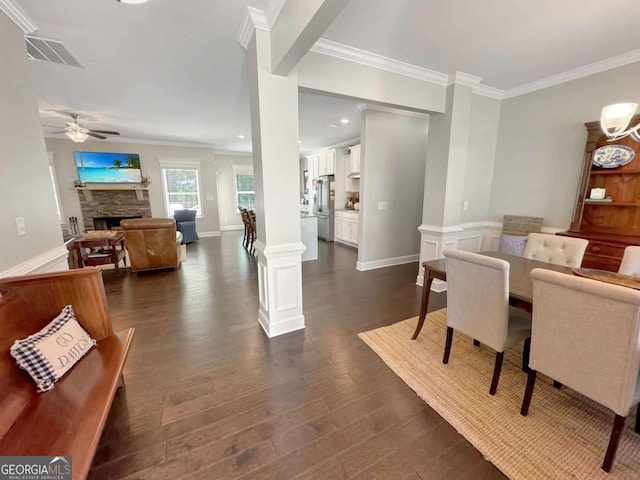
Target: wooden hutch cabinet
<point>610,226</point>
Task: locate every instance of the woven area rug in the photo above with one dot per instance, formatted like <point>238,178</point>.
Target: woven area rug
<point>564,435</point>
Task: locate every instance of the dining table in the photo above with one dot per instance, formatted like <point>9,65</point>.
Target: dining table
<point>520,282</point>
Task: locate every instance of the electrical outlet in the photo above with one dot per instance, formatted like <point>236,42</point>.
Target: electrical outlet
<point>465,205</point>
<point>382,205</point>
<point>20,226</point>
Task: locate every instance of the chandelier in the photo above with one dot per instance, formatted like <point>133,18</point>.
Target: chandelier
<point>615,119</point>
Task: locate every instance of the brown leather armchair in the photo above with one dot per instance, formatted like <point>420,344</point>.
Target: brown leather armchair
<point>152,243</point>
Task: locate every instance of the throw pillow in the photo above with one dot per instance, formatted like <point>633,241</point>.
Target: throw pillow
<point>513,244</point>
<point>50,353</point>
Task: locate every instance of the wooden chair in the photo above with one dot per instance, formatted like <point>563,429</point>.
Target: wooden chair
<point>69,419</point>
<point>252,231</point>
<point>478,305</point>
<point>556,249</point>
<point>246,225</point>
<point>630,262</point>
<point>586,335</point>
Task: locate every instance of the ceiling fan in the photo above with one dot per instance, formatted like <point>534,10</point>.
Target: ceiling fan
<point>79,133</point>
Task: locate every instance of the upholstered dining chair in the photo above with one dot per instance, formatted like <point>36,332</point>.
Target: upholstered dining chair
<point>586,335</point>
<point>478,306</point>
<point>630,264</point>
<point>186,224</point>
<point>556,249</point>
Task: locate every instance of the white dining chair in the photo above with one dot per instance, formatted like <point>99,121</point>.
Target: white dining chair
<point>630,262</point>
<point>586,335</point>
<point>478,306</point>
<point>556,249</point>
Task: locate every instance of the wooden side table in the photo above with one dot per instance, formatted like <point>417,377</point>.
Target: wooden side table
<point>99,251</point>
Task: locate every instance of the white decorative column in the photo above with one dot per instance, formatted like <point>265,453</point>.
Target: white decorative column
<point>276,167</point>
<point>447,150</point>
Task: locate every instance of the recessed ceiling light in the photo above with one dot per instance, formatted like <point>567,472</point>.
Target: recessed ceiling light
<point>344,121</point>
<point>132,2</point>
<point>299,142</point>
<point>240,136</point>
<point>334,125</point>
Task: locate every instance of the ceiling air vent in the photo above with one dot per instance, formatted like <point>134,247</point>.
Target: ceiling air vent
<point>47,50</point>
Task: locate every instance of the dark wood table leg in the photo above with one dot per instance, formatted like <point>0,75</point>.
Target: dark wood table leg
<point>116,260</point>
<point>79,256</point>
<point>426,289</point>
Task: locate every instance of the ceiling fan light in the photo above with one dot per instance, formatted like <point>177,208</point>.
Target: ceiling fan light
<point>77,136</point>
<point>615,118</point>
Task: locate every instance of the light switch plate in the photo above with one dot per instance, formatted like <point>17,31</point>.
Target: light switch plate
<point>382,205</point>
<point>465,205</point>
<point>20,226</point>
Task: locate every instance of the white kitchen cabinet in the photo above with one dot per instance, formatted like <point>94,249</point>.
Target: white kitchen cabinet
<point>350,184</point>
<point>322,164</point>
<point>346,227</point>
<point>326,163</point>
<point>337,229</point>
<point>313,167</point>
<point>331,162</point>
<point>354,160</point>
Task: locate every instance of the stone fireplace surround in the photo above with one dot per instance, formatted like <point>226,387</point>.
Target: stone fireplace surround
<point>107,204</point>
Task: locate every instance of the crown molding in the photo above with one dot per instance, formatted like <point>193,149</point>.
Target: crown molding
<point>584,71</point>
<point>487,91</point>
<point>254,19</point>
<point>344,143</point>
<point>18,16</point>
<point>140,141</point>
<point>370,59</point>
<point>233,153</point>
<point>466,79</point>
<point>397,111</point>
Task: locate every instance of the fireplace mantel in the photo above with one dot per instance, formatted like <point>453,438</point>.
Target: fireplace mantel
<point>86,190</point>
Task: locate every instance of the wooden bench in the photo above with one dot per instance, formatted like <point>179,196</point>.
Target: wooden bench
<point>69,419</point>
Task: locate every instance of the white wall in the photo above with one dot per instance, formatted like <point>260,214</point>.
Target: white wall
<point>541,141</point>
<point>229,214</point>
<point>25,187</point>
<point>323,73</point>
<point>66,172</point>
<point>481,149</point>
<point>393,158</point>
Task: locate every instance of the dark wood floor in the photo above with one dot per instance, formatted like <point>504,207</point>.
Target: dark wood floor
<point>208,396</point>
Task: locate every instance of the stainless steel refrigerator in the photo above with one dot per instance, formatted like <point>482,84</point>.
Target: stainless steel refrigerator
<point>323,207</point>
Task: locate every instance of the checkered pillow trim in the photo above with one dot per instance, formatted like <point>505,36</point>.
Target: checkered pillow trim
<point>31,359</point>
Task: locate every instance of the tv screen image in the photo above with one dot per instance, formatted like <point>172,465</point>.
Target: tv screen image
<point>107,167</point>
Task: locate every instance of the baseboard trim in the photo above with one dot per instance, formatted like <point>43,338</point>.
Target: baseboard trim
<point>228,228</point>
<point>49,261</point>
<point>209,234</point>
<point>344,242</point>
<point>387,262</point>
<point>280,328</point>
<point>438,286</point>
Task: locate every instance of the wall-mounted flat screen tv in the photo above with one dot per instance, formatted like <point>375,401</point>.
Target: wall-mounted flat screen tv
<point>107,167</point>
